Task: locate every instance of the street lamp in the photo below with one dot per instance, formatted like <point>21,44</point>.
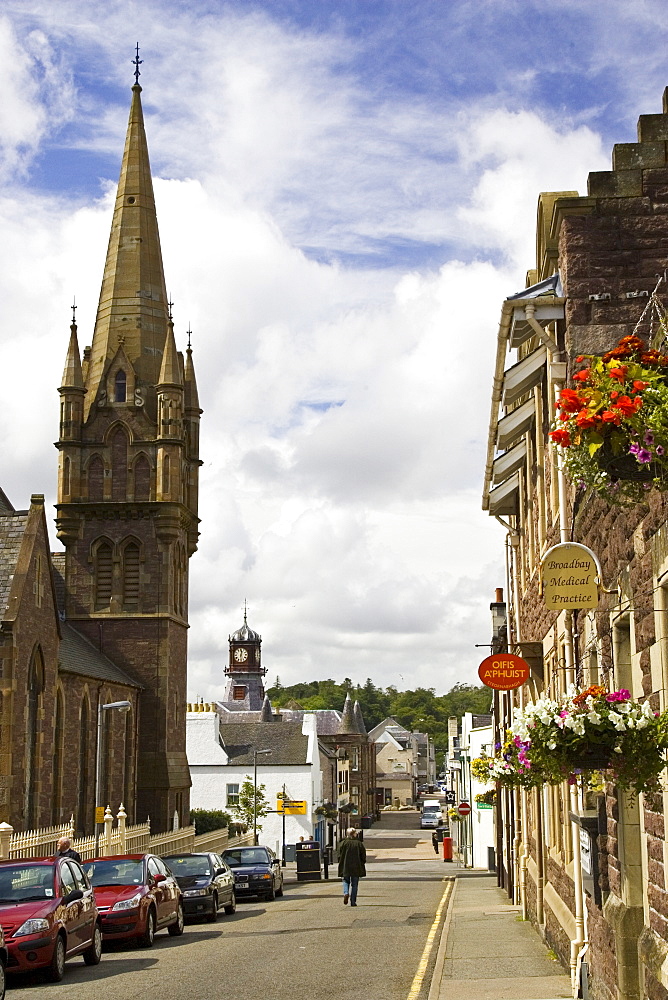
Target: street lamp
<point>121,706</point>
<point>255,756</point>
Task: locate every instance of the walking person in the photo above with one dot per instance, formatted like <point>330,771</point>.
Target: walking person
<point>434,841</point>
<point>65,850</point>
<point>352,864</point>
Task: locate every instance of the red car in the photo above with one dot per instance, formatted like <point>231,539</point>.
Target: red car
<point>48,914</point>
<point>136,895</point>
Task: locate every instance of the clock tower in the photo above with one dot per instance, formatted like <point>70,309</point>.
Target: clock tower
<point>244,691</point>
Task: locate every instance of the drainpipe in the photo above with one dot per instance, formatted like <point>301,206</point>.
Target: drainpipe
<point>540,860</point>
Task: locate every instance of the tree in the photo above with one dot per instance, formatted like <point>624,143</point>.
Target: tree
<point>246,810</point>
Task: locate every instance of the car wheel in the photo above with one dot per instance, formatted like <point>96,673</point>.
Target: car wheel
<point>56,969</point>
<point>93,954</point>
<point>213,916</point>
<point>271,895</point>
<point>231,906</point>
<point>279,891</point>
<point>176,929</point>
<point>148,937</point>
<point>2,980</point>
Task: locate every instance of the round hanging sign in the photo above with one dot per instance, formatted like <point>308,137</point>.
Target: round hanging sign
<point>504,671</point>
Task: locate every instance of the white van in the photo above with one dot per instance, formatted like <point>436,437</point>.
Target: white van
<point>431,816</point>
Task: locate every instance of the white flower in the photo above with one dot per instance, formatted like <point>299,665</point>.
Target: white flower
<point>642,723</point>
<point>594,717</point>
<point>552,745</point>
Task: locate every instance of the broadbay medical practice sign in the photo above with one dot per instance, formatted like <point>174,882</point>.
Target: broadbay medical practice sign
<point>571,577</point>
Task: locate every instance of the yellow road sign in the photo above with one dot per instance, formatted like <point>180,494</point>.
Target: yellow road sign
<point>291,807</point>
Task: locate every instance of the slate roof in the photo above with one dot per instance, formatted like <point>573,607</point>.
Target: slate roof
<point>286,741</point>
<point>12,527</point>
<point>76,655</point>
<point>327,720</point>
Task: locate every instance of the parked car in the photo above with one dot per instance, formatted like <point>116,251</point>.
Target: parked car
<point>48,914</point>
<point>206,883</point>
<point>257,871</point>
<point>136,895</point>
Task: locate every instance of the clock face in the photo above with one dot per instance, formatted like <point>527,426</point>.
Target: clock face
<point>240,655</point>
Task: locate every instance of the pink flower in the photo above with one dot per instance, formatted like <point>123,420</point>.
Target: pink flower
<point>621,695</point>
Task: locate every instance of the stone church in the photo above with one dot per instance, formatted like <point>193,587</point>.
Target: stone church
<point>106,620</point>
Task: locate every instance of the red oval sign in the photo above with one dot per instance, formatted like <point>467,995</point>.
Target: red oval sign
<point>464,808</point>
<point>504,671</point>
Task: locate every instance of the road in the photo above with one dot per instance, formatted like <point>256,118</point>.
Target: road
<point>307,944</point>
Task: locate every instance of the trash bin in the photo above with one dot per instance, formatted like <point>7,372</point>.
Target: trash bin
<point>308,862</point>
<point>491,859</point>
<point>447,848</point>
<point>366,822</point>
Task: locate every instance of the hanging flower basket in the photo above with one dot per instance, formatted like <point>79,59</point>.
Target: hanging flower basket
<point>591,730</point>
<point>613,422</point>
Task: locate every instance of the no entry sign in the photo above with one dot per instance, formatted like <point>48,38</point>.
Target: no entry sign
<point>464,808</point>
<point>504,671</point>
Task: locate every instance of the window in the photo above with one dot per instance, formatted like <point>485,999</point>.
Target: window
<point>32,755</point>
<point>131,576</point>
<point>96,478</point>
<point>120,387</point>
<point>38,586</point>
<point>238,692</point>
<point>142,479</point>
<point>119,465</point>
<point>354,758</point>
<point>67,882</point>
<point>79,877</point>
<point>165,476</point>
<point>232,795</point>
<point>66,476</point>
<point>103,575</point>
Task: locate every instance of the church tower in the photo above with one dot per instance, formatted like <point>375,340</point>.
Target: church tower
<point>128,483</point>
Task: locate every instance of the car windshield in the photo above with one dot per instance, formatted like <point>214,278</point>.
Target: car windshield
<point>246,856</point>
<point>21,882</point>
<point>123,872</point>
<point>189,864</point>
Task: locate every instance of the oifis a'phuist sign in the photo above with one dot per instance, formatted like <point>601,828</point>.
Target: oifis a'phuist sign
<point>504,671</point>
<point>571,577</point>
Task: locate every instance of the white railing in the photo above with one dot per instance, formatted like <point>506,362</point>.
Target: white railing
<point>119,839</point>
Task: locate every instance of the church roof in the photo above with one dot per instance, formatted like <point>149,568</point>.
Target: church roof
<point>286,741</point>
<point>12,526</point>
<point>327,720</point>
<point>76,655</point>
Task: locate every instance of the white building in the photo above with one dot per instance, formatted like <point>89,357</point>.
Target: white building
<point>475,835</point>
<point>221,757</point>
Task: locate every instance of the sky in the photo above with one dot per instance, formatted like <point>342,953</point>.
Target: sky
<point>346,192</point>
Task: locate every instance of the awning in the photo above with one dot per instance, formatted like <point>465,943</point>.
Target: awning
<point>514,424</point>
<point>523,376</point>
<point>504,499</point>
<point>509,462</point>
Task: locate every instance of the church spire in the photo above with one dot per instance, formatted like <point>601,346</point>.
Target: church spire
<point>170,369</point>
<point>72,376</point>
<point>133,302</point>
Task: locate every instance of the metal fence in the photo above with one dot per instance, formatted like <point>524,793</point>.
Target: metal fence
<point>114,839</point>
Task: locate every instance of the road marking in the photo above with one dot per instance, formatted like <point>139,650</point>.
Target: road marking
<point>416,986</point>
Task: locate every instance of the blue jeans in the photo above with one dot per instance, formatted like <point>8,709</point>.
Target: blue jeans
<point>350,883</point>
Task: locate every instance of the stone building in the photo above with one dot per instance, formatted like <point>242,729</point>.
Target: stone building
<point>107,619</point>
<point>597,264</point>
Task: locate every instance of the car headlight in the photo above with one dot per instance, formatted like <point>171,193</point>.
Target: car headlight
<point>128,904</point>
<point>33,926</point>
<point>195,892</point>
<point>265,876</point>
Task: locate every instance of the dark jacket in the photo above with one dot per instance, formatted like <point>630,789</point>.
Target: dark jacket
<point>352,858</point>
<point>69,853</point>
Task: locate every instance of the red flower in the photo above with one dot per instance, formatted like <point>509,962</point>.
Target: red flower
<point>582,376</point>
<point>561,437</point>
<point>616,354</point>
<point>632,343</point>
<point>585,420</point>
<point>618,373</point>
<point>626,406</point>
<point>610,417</point>
<point>570,401</point>
<point>639,386</point>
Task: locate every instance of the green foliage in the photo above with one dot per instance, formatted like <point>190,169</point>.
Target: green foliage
<point>206,820</point>
<point>245,811</point>
<point>420,709</point>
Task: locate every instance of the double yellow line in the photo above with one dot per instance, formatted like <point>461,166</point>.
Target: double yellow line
<point>418,980</point>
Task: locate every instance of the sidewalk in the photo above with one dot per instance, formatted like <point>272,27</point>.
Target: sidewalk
<point>488,953</point>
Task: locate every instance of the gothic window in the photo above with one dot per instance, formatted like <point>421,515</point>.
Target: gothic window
<point>96,478</point>
<point>119,465</point>
<point>83,798</point>
<point>120,387</point>
<point>38,585</point>
<point>131,576</point>
<point>165,476</point>
<point>58,748</point>
<point>66,477</point>
<point>142,484</point>
<point>32,762</point>
<point>103,575</point>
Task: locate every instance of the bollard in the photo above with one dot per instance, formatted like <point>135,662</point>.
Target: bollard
<point>447,848</point>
